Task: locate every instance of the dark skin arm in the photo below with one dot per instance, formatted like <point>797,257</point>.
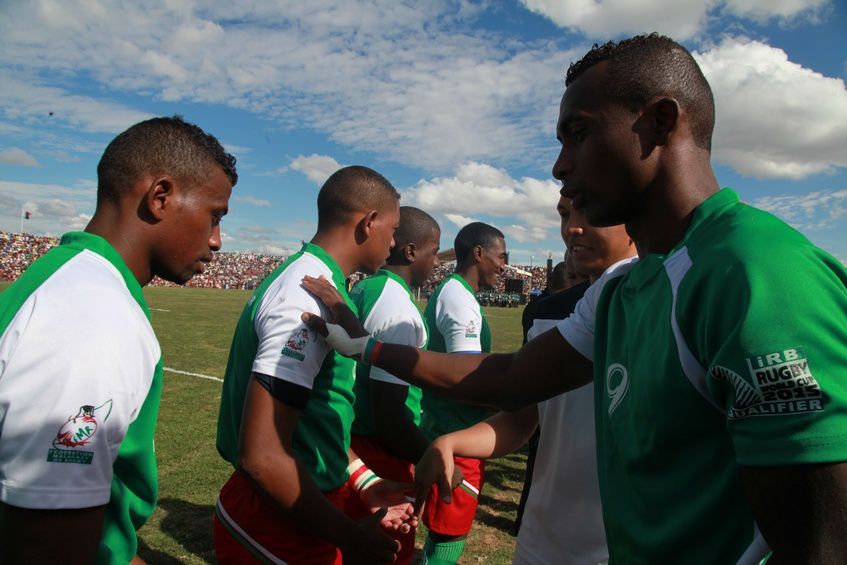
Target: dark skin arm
<point>30,536</point>
<point>266,456</point>
<point>394,425</point>
<point>507,381</point>
<point>801,511</point>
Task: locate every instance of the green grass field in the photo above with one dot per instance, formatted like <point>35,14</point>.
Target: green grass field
<point>195,327</point>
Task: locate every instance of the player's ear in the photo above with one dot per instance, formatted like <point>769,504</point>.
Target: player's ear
<point>664,119</point>
<point>409,252</point>
<point>158,198</point>
<point>477,253</point>
<point>365,225</point>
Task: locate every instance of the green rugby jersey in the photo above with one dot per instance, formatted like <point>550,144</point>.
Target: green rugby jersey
<point>80,384</point>
<point>457,324</point>
<point>728,351</point>
<point>271,339</point>
<point>388,312</point>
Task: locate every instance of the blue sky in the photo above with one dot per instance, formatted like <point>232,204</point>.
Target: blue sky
<point>454,101</point>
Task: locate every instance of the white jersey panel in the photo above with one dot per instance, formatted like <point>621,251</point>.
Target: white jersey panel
<point>458,318</point>
<point>57,449</point>
<point>288,349</point>
<point>563,520</point>
<point>394,318</point>
<point>578,328</point>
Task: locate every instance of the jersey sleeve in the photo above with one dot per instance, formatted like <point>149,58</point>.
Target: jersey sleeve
<point>774,351</point>
<point>71,386</point>
<point>459,320</point>
<point>396,329</point>
<point>288,349</point>
<point>578,328</point>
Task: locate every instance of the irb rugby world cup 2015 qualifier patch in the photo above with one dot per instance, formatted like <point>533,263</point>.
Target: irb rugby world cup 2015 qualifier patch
<point>778,383</point>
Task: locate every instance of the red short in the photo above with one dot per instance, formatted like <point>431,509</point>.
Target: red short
<point>388,466</point>
<point>456,518</point>
<point>250,529</point>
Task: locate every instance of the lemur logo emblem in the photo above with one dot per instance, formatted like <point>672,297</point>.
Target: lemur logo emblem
<point>79,429</point>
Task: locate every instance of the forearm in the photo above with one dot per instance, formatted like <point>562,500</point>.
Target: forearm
<point>403,440</point>
<point>499,435</point>
<point>543,368</point>
<point>284,481</point>
<point>464,377</point>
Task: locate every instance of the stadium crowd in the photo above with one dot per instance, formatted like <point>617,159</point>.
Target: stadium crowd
<point>246,270</point>
<point>18,250</point>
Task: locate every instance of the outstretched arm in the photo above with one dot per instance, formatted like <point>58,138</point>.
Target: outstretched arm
<point>499,435</point>
<point>543,368</point>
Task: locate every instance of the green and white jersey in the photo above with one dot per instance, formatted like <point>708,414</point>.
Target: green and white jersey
<point>728,351</point>
<point>80,383</point>
<point>271,339</point>
<point>457,325</point>
<point>388,312</point>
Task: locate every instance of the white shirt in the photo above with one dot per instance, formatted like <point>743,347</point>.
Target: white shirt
<point>76,364</point>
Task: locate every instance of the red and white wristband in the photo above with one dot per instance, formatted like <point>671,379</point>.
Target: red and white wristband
<point>361,475</point>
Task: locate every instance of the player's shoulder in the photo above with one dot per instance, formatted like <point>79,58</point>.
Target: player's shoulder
<point>746,239</point>
<point>454,291</point>
<point>291,276</point>
<point>89,288</point>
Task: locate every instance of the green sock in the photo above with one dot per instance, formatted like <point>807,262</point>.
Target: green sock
<point>444,553</point>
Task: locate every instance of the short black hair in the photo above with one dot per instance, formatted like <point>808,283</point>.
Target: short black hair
<point>417,227</point>
<point>473,234</point>
<point>650,65</point>
<point>165,145</point>
<point>352,189</point>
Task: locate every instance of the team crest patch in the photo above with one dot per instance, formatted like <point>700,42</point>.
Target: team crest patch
<point>470,329</point>
<point>297,343</point>
<point>76,433</point>
<point>779,383</point>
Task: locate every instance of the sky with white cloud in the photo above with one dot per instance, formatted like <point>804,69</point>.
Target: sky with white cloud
<point>455,101</point>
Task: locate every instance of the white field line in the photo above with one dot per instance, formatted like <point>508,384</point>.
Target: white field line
<point>159,310</point>
<point>198,375</point>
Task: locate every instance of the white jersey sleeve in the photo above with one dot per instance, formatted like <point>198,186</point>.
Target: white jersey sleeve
<point>288,349</point>
<point>459,319</point>
<point>395,319</point>
<point>76,364</point>
<point>578,328</point>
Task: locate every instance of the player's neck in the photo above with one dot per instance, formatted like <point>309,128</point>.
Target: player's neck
<point>342,247</point>
<point>471,276</point>
<point>665,209</point>
<point>402,271</point>
<point>130,243</point>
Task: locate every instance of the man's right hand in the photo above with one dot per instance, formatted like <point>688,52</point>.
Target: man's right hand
<point>372,544</point>
<point>436,466</point>
<point>334,302</point>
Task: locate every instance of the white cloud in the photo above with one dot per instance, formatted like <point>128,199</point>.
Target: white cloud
<point>459,220</point>
<point>608,18</point>
<point>32,102</point>
<point>402,80</point>
<point>680,19</point>
<point>763,10</point>
<point>56,209</point>
<point>775,118</point>
<point>17,156</point>
<point>317,168</point>
<point>252,200</point>
<point>481,189</point>
<point>819,210</point>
